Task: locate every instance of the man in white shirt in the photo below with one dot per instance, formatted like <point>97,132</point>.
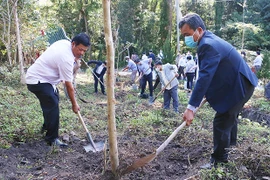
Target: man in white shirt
<point>145,70</point>
<point>132,66</point>
<point>257,63</point>
<point>55,65</point>
<point>181,66</point>
<point>167,73</point>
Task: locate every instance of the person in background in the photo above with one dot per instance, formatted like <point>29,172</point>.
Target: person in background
<point>134,56</point>
<point>225,80</point>
<point>243,54</point>
<point>166,73</point>
<point>98,73</point>
<point>133,67</point>
<point>157,79</point>
<point>53,66</point>
<point>190,72</point>
<point>144,57</point>
<point>257,63</point>
<point>181,67</point>
<point>145,71</point>
<point>152,56</point>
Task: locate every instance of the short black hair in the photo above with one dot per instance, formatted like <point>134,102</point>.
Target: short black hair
<point>158,63</point>
<point>82,38</point>
<point>258,52</point>
<point>193,20</point>
<point>137,60</point>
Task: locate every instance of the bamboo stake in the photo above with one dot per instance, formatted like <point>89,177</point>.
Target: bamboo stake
<point>110,87</point>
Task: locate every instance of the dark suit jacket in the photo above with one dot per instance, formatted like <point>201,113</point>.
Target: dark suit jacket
<point>222,72</point>
<point>98,63</point>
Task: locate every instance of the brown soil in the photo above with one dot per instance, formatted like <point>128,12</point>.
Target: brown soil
<point>35,160</point>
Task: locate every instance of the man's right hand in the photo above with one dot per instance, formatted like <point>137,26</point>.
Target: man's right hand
<point>188,116</point>
<point>76,108</point>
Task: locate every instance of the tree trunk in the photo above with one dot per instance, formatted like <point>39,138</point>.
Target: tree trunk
<point>170,18</point>
<point>19,44</point>
<point>110,86</point>
<point>6,23</point>
<point>178,17</point>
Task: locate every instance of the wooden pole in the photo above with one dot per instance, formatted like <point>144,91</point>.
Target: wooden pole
<point>178,16</point>
<point>110,87</point>
<point>19,43</point>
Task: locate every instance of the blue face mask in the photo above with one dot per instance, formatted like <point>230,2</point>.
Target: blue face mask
<point>189,40</point>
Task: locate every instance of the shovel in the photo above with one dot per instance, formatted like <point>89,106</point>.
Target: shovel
<point>151,103</point>
<point>95,147</point>
<point>143,161</point>
<point>134,86</point>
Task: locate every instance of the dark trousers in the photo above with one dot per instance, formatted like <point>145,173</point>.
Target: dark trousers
<point>171,94</point>
<point>49,102</point>
<point>96,76</point>
<point>225,127</point>
<point>181,72</point>
<point>190,78</point>
<point>147,78</point>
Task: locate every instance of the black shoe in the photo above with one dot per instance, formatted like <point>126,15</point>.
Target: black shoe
<point>104,93</point>
<point>144,96</point>
<point>58,143</point>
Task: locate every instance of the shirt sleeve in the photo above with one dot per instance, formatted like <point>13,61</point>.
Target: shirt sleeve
<point>66,68</point>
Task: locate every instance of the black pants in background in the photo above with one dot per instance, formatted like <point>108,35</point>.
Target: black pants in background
<point>190,78</point>
<point>96,76</point>
<point>147,78</point>
<point>49,102</point>
<point>181,72</point>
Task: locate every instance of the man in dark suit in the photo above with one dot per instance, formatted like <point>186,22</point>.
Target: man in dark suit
<point>224,79</point>
<point>98,73</point>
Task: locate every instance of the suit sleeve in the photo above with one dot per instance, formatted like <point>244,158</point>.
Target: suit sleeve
<point>92,62</point>
<point>209,59</point>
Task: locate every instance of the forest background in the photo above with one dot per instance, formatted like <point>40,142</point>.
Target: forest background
<point>138,26</point>
<point>27,26</point>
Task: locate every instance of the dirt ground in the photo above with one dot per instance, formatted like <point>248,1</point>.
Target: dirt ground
<point>36,160</point>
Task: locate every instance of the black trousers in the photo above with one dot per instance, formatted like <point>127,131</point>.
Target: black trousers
<point>225,127</point>
<point>181,72</point>
<point>190,78</point>
<point>49,102</point>
<point>147,78</point>
<point>96,76</point>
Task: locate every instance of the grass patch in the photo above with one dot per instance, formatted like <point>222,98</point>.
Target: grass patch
<point>21,120</point>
